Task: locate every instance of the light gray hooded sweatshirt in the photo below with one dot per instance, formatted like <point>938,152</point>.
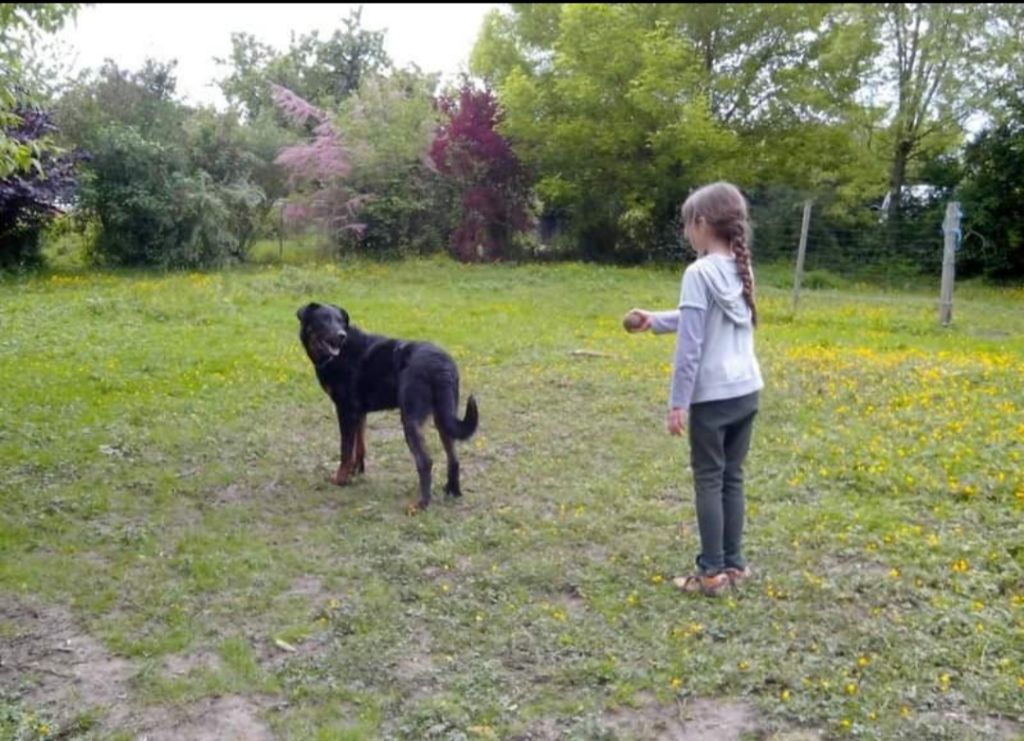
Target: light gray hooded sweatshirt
<point>714,356</point>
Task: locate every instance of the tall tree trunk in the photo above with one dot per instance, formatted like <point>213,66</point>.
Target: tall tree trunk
<point>897,178</point>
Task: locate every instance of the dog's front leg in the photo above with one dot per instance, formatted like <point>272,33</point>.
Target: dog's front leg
<point>348,426</point>
<point>360,463</point>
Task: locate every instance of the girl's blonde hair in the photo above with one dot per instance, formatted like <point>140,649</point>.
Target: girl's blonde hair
<point>724,209</point>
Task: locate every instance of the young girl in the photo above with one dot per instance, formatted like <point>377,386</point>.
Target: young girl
<point>716,378</point>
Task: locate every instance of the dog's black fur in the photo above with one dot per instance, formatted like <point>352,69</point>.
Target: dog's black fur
<point>365,373</point>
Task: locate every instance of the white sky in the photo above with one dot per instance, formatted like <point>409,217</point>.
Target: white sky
<point>438,37</point>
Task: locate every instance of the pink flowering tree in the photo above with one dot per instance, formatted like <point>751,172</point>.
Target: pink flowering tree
<point>488,177</point>
<point>317,169</point>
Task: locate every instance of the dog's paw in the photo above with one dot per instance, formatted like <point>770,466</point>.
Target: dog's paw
<point>341,476</point>
<point>415,508</point>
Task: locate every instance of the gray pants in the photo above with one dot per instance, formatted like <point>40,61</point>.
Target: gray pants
<point>720,434</point>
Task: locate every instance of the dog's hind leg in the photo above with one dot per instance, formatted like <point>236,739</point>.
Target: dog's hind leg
<point>451,486</point>
<point>424,465</point>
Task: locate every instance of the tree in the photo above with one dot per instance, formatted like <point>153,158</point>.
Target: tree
<point>155,209</point>
<point>216,144</point>
<point>145,100</point>
<point>934,62</point>
<point>246,85</point>
<point>608,114</point>
<point>29,199</point>
<point>168,186</point>
<point>767,63</point>
<point>491,181</point>
<point>993,198</point>
<point>20,25</point>
<point>324,72</point>
<point>130,187</point>
<point>391,121</point>
<point>318,170</point>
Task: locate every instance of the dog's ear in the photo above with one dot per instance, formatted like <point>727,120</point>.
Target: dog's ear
<point>344,314</point>
<point>303,310</point>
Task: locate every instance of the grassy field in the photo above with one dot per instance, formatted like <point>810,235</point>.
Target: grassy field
<point>174,562</point>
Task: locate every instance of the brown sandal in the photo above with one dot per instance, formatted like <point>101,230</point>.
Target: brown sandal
<point>738,576</point>
<point>710,586</point>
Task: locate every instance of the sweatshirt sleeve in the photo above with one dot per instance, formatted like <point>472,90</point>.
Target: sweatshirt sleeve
<point>689,349</point>
<point>663,322</point>
<point>694,293</point>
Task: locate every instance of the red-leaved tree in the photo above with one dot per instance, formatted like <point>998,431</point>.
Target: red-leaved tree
<point>486,173</point>
<point>29,199</point>
<point>317,170</point>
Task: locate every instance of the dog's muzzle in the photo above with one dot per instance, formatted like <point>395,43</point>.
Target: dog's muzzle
<point>329,349</point>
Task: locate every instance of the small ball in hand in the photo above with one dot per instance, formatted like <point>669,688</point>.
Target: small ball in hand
<point>632,321</point>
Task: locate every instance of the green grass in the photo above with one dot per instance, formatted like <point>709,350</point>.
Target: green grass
<point>165,450</point>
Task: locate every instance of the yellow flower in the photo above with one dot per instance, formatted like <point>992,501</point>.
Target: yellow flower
<point>863,661</point>
<point>851,688</point>
<point>904,711</point>
<point>845,724</point>
<point>676,683</point>
<point>1020,682</point>
<point>785,695</point>
<point>657,579</point>
<point>894,573</point>
<point>961,566</point>
<point>743,666</point>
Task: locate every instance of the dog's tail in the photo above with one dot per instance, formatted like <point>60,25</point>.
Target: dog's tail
<point>450,424</point>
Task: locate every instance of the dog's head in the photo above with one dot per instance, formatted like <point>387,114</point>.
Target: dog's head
<point>323,329</point>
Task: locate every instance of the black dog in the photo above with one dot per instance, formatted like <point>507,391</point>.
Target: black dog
<point>365,373</point>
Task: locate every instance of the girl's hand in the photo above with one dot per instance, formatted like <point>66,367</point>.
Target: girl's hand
<point>676,422</point>
<point>637,320</point>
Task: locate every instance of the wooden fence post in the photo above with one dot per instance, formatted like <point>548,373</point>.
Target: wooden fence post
<point>801,252</point>
<point>950,230</point>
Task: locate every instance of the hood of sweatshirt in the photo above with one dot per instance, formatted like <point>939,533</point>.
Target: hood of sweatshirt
<point>722,278</point>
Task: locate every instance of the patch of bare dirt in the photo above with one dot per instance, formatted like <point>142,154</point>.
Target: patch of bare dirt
<point>991,727</point>
<point>307,586</point>
<point>50,663</point>
<point>233,494</point>
<point>226,718</point>
<point>325,610</point>
<point>417,664</point>
<point>694,720</point>
<point>180,665</point>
